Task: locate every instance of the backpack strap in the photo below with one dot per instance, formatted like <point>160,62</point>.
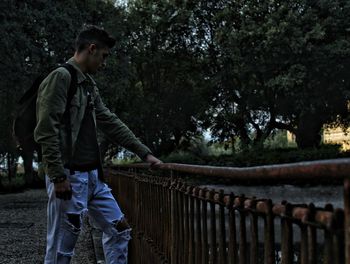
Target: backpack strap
<point>73,84</point>
<point>67,118</point>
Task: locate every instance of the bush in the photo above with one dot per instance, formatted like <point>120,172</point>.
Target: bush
<point>17,183</point>
<point>185,157</point>
<point>256,157</point>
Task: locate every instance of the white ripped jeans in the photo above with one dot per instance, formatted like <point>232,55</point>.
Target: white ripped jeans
<point>64,219</point>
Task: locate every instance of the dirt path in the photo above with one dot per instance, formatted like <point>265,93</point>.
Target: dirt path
<point>23,230</point>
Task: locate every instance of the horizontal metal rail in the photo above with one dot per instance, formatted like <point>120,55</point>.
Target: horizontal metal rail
<point>175,222</point>
<point>306,170</point>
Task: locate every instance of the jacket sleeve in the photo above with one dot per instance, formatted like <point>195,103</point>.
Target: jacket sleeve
<point>50,106</point>
<point>116,130</point>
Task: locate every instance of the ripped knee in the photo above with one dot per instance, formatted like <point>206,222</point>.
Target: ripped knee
<point>75,220</point>
<point>121,225</point>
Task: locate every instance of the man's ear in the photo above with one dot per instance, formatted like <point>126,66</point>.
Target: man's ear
<point>92,49</point>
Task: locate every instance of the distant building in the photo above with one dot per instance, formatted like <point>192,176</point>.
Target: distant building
<point>336,135</point>
<point>290,137</point>
<point>330,136</point>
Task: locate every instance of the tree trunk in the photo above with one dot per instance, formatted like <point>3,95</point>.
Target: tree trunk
<point>9,171</point>
<point>245,140</point>
<point>11,166</point>
<point>1,186</point>
<point>308,131</point>
<point>28,167</point>
<point>233,144</point>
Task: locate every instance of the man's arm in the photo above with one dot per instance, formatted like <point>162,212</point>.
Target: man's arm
<point>117,131</point>
<point>51,104</point>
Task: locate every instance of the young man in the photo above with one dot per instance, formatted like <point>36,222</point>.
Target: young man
<point>74,178</point>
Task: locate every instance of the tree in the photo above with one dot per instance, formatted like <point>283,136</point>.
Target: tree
<point>279,65</point>
<point>165,88</point>
<point>36,35</point>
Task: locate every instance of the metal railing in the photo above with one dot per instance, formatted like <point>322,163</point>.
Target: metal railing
<point>177,222</point>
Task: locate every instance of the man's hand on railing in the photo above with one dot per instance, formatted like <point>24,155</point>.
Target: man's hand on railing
<point>63,190</point>
<point>154,162</point>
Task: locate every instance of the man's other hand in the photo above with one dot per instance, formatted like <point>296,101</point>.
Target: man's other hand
<point>63,190</point>
<point>154,162</point>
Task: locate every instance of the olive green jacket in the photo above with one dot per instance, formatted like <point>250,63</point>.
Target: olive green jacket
<point>50,131</point>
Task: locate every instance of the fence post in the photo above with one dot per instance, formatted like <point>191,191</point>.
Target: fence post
<point>347,219</point>
<point>173,258</point>
<point>287,235</point>
<point>269,235</point>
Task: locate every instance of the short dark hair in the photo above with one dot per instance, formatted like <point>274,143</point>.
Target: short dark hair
<point>92,34</point>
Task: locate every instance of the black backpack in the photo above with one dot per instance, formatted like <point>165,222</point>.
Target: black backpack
<point>25,119</point>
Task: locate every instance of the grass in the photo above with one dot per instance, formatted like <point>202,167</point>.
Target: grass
<point>17,184</point>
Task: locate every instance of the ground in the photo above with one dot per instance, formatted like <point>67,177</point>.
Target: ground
<point>23,230</point>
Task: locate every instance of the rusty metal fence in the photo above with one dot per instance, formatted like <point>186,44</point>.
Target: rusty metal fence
<point>175,222</point>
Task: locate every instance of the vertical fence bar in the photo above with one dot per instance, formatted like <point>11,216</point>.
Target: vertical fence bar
<point>304,258</point>
<point>181,222</point>
<point>338,236</point>
<point>167,224</point>
<point>232,231</point>
<point>312,238</point>
<point>187,228</point>
<point>242,232</point>
<point>254,244</point>
<point>347,219</point>
<point>328,247</point>
<point>192,251</point>
<point>328,256</point>
<point>142,222</point>
<point>163,216</point>
<point>205,255</point>
<point>198,227</point>
<point>148,214</point>
<point>213,247</point>
<point>158,209</point>
<point>173,224</point>
<point>287,235</point>
<point>222,229</point>
<point>137,217</point>
<point>269,234</point>
<point>152,212</point>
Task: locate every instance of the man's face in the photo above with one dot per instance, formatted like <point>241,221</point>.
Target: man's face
<point>96,58</point>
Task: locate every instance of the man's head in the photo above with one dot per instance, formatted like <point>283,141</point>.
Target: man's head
<point>92,46</point>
